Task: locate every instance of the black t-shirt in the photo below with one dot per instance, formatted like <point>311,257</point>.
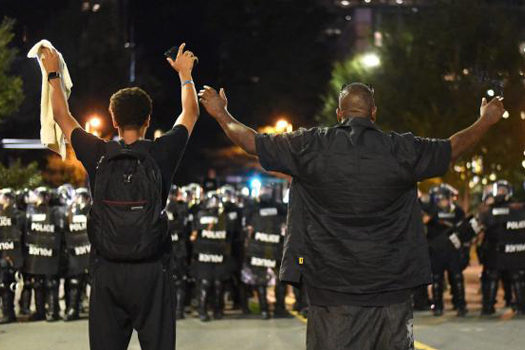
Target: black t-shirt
<point>166,150</point>
<point>354,224</point>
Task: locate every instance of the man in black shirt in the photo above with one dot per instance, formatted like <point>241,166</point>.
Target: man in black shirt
<point>355,235</point>
<point>138,295</point>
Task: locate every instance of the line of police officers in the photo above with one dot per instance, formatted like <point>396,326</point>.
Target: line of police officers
<point>221,241</point>
<point>226,241</point>
<point>43,239</point>
<point>498,232</point>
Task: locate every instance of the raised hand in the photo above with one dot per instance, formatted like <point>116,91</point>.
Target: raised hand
<point>215,103</point>
<point>50,59</point>
<point>492,111</point>
<point>184,61</point>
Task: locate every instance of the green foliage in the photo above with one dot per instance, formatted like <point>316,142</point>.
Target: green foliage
<point>436,65</point>
<point>18,176</point>
<point>11,94</point>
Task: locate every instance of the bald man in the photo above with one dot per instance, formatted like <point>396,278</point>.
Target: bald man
<point>355,235</point>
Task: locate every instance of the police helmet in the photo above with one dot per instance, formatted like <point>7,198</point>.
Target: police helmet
<point>502,191</point>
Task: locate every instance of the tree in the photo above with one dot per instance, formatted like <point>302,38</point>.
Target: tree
<point>18,176</point>
<point>11,94</point>
<point>436,64</point>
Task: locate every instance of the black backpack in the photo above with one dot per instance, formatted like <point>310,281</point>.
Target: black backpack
<point>127,221</point>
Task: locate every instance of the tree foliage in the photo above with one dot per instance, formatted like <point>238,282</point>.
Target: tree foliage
<point>436,65</point>
<point>11,94</point>
<point>18,176</point>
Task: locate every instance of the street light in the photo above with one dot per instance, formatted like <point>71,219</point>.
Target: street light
<point>370,60</point>
<point>93,124</point>
<point>283,125</point>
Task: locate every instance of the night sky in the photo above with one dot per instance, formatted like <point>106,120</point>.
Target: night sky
<point>273,58</point>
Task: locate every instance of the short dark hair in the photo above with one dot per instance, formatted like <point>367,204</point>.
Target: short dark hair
<point>130,107</point>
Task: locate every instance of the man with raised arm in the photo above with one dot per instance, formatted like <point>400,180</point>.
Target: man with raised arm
<point>131,257</point>
<point>355,236</point>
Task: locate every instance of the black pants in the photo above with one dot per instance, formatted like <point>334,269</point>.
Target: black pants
<point>348,327</point>
<point>127,296</point>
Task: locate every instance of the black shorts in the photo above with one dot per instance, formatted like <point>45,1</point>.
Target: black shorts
<point>348,327</point>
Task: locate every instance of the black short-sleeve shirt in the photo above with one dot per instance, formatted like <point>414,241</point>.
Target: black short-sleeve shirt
<point>166,150</point>
<point>360,229</point>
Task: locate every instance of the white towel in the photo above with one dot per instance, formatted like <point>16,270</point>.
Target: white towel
<point>50,134</point>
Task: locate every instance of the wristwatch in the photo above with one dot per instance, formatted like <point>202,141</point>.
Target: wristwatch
<point>53,75</point>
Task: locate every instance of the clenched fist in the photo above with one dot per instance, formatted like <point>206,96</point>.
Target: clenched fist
<point>50,59</point>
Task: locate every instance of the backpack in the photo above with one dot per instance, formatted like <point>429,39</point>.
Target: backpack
<point>127,221</point>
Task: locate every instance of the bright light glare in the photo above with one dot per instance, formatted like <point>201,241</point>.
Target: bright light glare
<point>506,115</point>
<point>370,60</point>
<point>281,124</point>
<point>490,92</point>
<point>95,122</point>
<point>345,3</point>
<point>255,185</point>
<point>523,164</point>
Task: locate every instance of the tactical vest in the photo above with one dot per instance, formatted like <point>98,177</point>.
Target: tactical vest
<point>213,244</point>
<point>42,242</point>
<point>177,227</point>
<point>442,226</point>
<point>505,237</point>
<point>265,246</point>
<point>77,241</point>
<point>11,236</point>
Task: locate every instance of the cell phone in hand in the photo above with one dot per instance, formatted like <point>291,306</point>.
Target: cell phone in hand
<point>172,52</point>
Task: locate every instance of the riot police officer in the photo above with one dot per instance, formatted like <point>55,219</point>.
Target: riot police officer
<point>177,212</point>
<point>212,264</point>
<point>77,249</point>
<point>504,242</point>
<point>25,199</point>
<point>11,256</point>
<point>235,218</point>
<point>265,228</point>
<point>43,237</point>
<point>445,245</point>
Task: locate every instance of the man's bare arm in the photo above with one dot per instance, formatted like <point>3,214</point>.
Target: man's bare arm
<point>490,113</point>
<point>61,113</point>
<point>216,105</point>
<point>183,64</point>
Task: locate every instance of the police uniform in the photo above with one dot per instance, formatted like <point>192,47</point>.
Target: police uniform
<point>444,256</point>
<point>212,263</point>
<point>177,212</point>
<point>11,257</point>
<point>504,242</point>
<point>235,223</point>
<point>78,249</point>
<point>264,251</point>
<point>43,237</point>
